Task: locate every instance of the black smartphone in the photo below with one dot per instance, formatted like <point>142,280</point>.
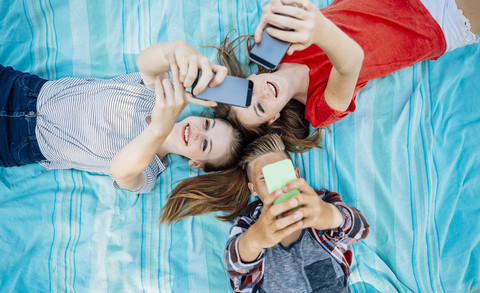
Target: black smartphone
<point>269,52</point>
<point>233,90</point>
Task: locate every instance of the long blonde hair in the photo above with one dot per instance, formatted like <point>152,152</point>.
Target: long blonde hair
<point>291,124</point>
<point>226,191</point>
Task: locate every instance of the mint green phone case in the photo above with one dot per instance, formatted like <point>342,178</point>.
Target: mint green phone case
<point>277,175</point>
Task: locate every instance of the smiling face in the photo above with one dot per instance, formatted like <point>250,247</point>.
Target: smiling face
<point>257,182</point>
<point>202,139</point>
<point>271,93</point>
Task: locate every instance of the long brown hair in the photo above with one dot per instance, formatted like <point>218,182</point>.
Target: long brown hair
<point>225,191</point>
<point>234,151</point>
<point>291,124</point>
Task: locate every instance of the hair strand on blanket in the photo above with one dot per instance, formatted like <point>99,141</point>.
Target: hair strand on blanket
<point>226,191</point>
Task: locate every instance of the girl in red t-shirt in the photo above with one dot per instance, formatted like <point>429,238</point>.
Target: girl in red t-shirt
<point>336,50</point>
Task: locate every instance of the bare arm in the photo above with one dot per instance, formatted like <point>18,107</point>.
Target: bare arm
<point>347,58</point>
<point>302,24</point>
<point>153,62</point>
<point>128,164</point>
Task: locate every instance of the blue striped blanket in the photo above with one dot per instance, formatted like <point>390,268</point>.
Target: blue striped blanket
<point>408,158</point>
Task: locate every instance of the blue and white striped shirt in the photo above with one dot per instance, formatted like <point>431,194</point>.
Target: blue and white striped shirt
<point>82,123</point>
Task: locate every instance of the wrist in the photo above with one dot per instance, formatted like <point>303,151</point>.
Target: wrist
<point>255,239</point>
<point>182,48</point>
<point>324,27</point>
<point>249,248</point>
<point>337,216</point>
<point>177,44</point>
<point>158,131</point>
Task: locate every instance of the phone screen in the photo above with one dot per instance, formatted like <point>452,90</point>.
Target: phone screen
<point>277,175</point>
<point>269,52</point>
<point>233,91</point>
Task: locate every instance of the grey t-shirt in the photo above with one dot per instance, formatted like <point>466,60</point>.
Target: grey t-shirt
<point>303,266</point>
<point>82,123</point>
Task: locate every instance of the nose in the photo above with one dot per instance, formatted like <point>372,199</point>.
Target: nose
<point>263,90</point>
<point>198,134</point>
<point>258,93</point>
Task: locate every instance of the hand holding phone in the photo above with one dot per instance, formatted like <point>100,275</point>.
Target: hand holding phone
<point>269,52</point>
<point>277,175</point>
<point>233,90</point>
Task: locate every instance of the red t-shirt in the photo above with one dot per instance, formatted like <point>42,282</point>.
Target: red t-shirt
<point>393,34</point>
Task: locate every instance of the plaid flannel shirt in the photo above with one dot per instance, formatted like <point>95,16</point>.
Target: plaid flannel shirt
<point>245,277</point>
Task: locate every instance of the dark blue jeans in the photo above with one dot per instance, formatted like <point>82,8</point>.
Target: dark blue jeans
<point>18,117</point>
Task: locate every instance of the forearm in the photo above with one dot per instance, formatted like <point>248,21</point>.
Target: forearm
<point>128,165</point>
<point>244,276</point>
<point>248,247</point>
<point>153,61</point>
<point>346,57</point>
<point>335,217</point>
<point>356,226</point>
<point>343,52</point>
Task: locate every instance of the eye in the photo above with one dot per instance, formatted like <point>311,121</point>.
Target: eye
<point>207,124</point>
<point>260,107</point>
<point>204,147</point>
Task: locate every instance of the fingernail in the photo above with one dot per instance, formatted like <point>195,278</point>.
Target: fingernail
<point>293,202</point>
<point>298,215</point>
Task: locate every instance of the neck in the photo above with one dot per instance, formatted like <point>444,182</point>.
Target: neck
<point>298,77</point>
<point>166,148</point>
<point>291,238</point>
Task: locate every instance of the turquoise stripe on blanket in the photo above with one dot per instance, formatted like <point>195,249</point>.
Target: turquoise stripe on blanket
<point>407,158</point>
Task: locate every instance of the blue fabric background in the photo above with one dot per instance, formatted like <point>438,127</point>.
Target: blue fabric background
<point>408,158</point>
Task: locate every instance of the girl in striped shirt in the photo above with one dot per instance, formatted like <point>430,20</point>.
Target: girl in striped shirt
<point>123,126</point>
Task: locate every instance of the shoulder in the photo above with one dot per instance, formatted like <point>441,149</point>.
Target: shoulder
<point>252,210</point>
<point>329,196</point>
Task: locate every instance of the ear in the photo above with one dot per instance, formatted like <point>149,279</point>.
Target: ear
<point>252,188</point>
<point>273,118</point>
<point>297,172</point>
<point>195,164</point>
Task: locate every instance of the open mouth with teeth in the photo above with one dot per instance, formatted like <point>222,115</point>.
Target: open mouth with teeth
<point>273,88</point>
<point>186,133</point>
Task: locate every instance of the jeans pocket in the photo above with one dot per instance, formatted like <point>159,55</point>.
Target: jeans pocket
<point>31,84</point>
<point>28,152</point>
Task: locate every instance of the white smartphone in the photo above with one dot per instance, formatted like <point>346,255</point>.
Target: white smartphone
<point>233,91</point>
<point>269,52</point>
